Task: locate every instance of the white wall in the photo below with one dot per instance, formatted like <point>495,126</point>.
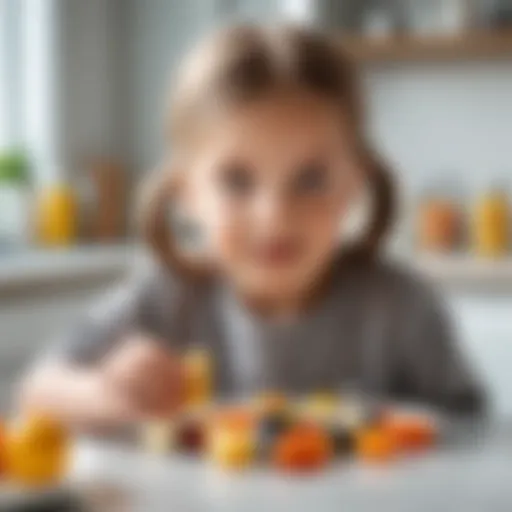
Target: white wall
<point>92,85</point>
<point>446,122</point>
<point>157,34</point>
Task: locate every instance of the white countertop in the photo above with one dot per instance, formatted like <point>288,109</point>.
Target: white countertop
<point>473,478</point>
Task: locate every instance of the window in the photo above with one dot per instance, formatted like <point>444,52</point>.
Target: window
<point>10,73</point>
<point>29,88</point>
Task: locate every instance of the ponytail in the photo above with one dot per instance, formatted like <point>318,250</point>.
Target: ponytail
<point>383,200</point>
<point>156,226</point>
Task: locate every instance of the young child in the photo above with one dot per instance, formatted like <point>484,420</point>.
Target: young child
<point>268,156</point>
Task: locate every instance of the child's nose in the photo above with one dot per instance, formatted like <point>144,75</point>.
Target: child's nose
<point>272,209</point>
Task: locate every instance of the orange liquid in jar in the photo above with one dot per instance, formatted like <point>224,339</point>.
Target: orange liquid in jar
<point>57,216</point>
<point>491,225</point>
<point>439,226</point>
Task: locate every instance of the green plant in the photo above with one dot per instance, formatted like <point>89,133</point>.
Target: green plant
<point>14,167</point>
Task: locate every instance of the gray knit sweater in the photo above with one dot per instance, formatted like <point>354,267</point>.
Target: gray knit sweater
<point>378,329</point>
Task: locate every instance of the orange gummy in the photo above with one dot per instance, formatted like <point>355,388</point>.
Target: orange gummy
<point>235,418</point>
<point>375,445</point>
<point>270,402</point>
<point>411,433</point>
<point>303,448</point>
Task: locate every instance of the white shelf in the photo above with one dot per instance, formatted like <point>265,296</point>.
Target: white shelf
<point>52,266</point>
<point>466,271</point>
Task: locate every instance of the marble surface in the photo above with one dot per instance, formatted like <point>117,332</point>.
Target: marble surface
<point>470,476</point>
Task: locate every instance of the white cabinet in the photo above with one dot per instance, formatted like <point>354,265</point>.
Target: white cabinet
<point>485,325</point>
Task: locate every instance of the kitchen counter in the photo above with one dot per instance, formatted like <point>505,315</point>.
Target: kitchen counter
<point>44,267</point>
<point>472,477</point>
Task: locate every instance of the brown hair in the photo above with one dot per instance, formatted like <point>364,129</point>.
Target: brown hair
<point>246,62</point>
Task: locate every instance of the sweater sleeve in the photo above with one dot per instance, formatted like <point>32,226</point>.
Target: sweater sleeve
<point>432,363</point>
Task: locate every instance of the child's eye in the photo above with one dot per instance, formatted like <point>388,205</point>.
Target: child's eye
<point>236,179</point>
<point>312,178</point>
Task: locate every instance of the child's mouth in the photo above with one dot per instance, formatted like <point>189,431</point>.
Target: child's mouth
<point>279,252</point>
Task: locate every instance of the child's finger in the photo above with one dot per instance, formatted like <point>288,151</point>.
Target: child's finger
<point>164,395</point>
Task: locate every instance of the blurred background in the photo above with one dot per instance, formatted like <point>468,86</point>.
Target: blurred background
<point>81,88</point>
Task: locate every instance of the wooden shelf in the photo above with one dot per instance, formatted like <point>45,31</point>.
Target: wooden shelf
<point>464,47</point>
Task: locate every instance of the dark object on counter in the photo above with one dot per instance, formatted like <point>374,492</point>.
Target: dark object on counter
<point>468,403</point>
<point>190,436</point>
<point>269,428</point>
<point>275,423</point>
<point>92,497</point>
<point>51,501</point>
<point>343,440</point>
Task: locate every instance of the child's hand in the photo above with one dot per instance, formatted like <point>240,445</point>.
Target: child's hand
<point>146,376</point>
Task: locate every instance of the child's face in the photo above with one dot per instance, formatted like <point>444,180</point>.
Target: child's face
<point>270,185</point>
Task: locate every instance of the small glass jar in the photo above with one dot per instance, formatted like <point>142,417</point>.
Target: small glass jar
<point>440,224</point>
<point>491,223</point>
<point>56,216</point>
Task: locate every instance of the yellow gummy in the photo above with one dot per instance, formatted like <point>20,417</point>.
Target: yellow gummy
<point>232,450</point>
<point>37,452</point>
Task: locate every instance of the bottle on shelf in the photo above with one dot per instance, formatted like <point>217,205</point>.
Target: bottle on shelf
<point>56,218</point>
<point>440,223</point>
<point>491,223</point>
